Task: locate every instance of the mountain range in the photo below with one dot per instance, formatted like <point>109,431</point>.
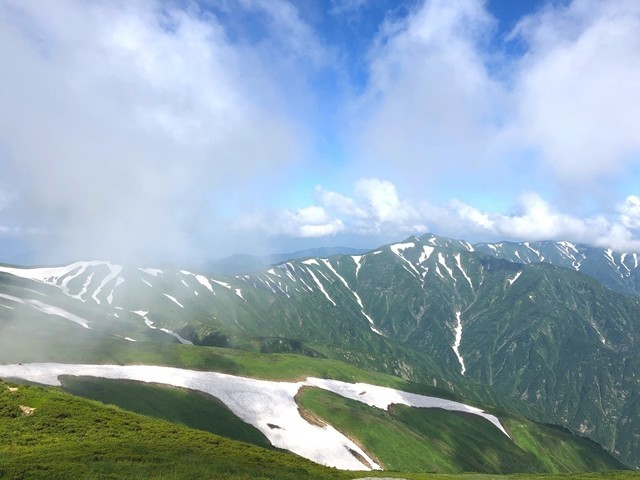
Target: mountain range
<point>547,330</point>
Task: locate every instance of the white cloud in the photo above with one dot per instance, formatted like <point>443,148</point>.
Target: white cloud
<point>629,212</point>
<point>119,120</point>
<point>577,90</point>
<point>444,103</point>
<point>376,209</point>
<point>430,105</point>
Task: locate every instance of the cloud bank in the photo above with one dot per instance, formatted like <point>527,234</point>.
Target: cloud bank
<point>377,210</point>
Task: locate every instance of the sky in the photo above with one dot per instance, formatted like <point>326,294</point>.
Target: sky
<point>181,131</point>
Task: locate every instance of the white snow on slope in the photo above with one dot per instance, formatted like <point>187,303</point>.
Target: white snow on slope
<point>119,281</point>
<point>258,402</point>
<point>383,397</point>
<point>442,262</point>
<point>357,259</point>
<point>85,288</point>
<point>537,252</point>
<point>151,271</point>
<point>357,297</point>
<point>456,344</point>
<point>320,286</point>
<point>114,271</point>
<point>511,280</point>
<point>202,280</point>
<point>48,274</point>
<point>311,261</point>
<point>184,341</point>
<point>399,249</point>
<point>149,323</point>
<point>173,299</point>
<point>459,265</point>
<point>48,309</point>
<point>426,253</point>
<point>237,291</point>
<point>269,406</point>
<point>52,275</point>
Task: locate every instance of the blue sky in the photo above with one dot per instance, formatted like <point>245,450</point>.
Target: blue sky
<point>181,131</point>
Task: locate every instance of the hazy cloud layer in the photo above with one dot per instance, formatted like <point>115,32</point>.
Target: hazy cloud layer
<point>117,117</point>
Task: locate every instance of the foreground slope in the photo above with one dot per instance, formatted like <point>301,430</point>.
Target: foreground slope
<point>455,436</point>
<point>48,434</point>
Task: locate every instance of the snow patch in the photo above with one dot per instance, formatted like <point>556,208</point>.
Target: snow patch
<point>442,262</point>
<point>357,259</point>
<point>114,271</point>
<point>456,344</point>
<point>173,299</point>
<point>357,297</point>
<point>459,265</point>
<point>426,253</point>
<point>48,309</point>
<point>261,403</point>
<point>151,271</point>
<point>511,280</point>
<point>321,287</point>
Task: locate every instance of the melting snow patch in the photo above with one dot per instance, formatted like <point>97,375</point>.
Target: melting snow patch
<point>48,309</point>
<point>442,262</point>
<point>151,271</point>
<point>511,280</point>
<point>357,259</point>
<point>426,253</point>
<point>459,265</point>
<point>456,344</point>
<point>174,334</point>
<point>321,287</point>
<point>311,261</point>
<point>269,406</point>
<point>173,299</point>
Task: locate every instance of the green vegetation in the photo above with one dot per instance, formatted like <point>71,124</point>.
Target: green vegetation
<point>436,440</point>
<point>66,437</point>
<point>188,407</point>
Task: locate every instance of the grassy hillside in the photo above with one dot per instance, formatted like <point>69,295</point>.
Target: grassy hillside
<point>193,409</point>
<point>436,440</point>
<point>67,437</point>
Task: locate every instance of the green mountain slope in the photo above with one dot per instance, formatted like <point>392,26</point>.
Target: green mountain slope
<point>486,321</point>
<point>436,440</point>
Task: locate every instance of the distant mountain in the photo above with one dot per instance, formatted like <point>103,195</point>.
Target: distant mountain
<point>241,263</point>
<point>618,271</point>
<point>535,327</point>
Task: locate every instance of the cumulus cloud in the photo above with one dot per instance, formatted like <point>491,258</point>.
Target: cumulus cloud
<point>376,209</point>
<point>576,89</point>
<point>430,104</point>
<point>444,99</point>
<point>629,212</point>
<point>120,120</point>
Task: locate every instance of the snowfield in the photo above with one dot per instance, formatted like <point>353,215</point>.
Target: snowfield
<point>267,405</point>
